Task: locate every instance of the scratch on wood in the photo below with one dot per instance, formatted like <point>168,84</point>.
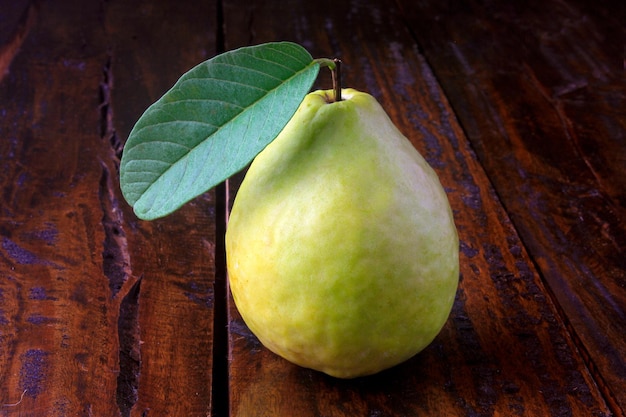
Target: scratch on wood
<point>115,257</point>
<point>116,262</point>
<point>107,130</point>
<point>18,402</point>
<point>568,127</point>
<point>123,285</point>
<point>130,354</point>
<point>12,47</point>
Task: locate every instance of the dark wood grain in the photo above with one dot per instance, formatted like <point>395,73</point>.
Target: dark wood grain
<point>151,45</point>
<point>60,289</point>
<point>101,314</point>
<point>535,90</point>
<point>518,106</point>
<point>504,334</point>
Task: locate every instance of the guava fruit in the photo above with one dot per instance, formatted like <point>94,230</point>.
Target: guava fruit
<point>342,252</point>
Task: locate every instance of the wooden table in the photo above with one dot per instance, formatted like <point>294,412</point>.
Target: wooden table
<point>519,106</point>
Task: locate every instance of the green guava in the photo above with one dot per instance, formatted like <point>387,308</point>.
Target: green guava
<point>342,252</point>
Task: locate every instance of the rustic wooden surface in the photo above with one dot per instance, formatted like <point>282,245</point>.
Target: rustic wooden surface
<point>520,109</point>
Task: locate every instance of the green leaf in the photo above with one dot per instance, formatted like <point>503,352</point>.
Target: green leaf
<point>211,124</point>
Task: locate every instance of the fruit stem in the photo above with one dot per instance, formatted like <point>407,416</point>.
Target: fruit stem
<point>335,71</point>
<point>336,74</point>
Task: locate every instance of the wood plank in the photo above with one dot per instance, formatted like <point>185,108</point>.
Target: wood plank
<point>151,45</point>
<point>504,350</point>
<point>539,90</point>
<point>60,293</point>
<point>100,314</point>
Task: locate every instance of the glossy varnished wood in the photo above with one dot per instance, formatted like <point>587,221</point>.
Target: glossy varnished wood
<point>504,331</point>
<point>151,45</point>
<point>545,111</point>
<point>100,313</point>
<point>518,106</point>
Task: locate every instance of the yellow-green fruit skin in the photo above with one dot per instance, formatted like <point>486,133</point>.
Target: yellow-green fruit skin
<point>342,252</point>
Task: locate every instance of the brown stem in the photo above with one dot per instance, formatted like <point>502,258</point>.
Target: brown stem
<point>336,75</point>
